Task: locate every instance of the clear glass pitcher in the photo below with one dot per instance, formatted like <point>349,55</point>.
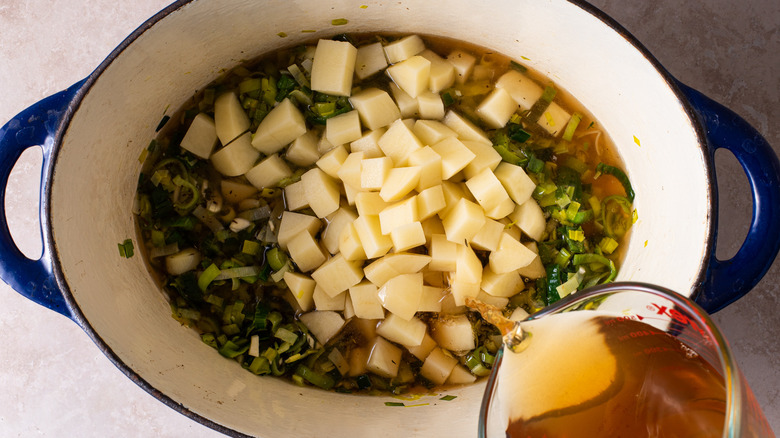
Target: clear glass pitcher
<point>623,359</point>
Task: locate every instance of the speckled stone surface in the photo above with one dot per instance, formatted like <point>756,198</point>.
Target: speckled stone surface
<point>56,383</point>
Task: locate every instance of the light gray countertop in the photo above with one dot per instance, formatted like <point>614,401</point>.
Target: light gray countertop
<point>56,382</point>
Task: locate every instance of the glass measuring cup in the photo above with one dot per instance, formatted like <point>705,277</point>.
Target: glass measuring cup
<point>623,359</point>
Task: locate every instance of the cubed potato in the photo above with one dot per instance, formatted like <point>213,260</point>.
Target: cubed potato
<point>323,145</point>
<point>349,172</point>
<point>463,63</point>
<point>517,183</point>
<point>343,128</point>
<point>406,103</point>
<point>497,108</point>
<point>384,359</point>
<point>398,214</point>
<point>404,48</point>
<point>338,274</point>
<point>424,349</point>
<point>411,75</point>
<point>453,332</point>
<point>365,301</point>
<point>487,189</point>
<point>323,301</point>
<point>448,306</point>
<point>438,366</point>
<point>519,314</point>
<point>336,224</point>
<point>486,158</point>
<point>370,203</point>
<point>524,91</point>
<point>400,182</point>
<point>442,71</point>
<point>302,289</point>
<point>430,106</point>
<point>401,295</point>
<point>369,60</point>
<point>369,144</point>
<point>374,172</point>
<point>529,217</point>
<point>201,136</point>
<point>398,142</point>
<point>330,162</point>
<point>407,236</point>
<point>322,192</point>
<point>466,130</point>
<point>464,221</point>
<point>455,156</point>
<point>503,285</point>
<point>268,172</point>
<point>430,132</point>
<point>468,267</point>
<point>376,108</point>
<point>510,228</point>
<point>535,269</point>
<point>429,163</point>
<point>358,359</point>
<point>279,128</point>
<point>488,236</point>
<point>511,255</point>
<point>303,150</point>
<point>502,210</point>
<point>429,202</point>
<point>444,254</point>
<point>295,197</point>
<point>235,191</point>
<point>230,119</point>
<point>306,252</point>
<point>324,325</point>
<point>453,192</point>
<point>375,244</point>
<point>408,333</point>
<point>435,279</point>
<point>460,290</point>
<point>393,265</point>
<point>349,244</point>
<point>432,226</point>
<point>498,302</point>
<point>430,301</point>
<point>460,376</point>
<point>554,119</point>
<point>236,158</point>
<point>333,67</point>
<point>293,224</point>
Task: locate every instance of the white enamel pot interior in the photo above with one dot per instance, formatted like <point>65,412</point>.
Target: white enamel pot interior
<point>186,46</point>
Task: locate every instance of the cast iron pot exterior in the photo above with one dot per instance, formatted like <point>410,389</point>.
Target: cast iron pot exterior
<point>92,134</point>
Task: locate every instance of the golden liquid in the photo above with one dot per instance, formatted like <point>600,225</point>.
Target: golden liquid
<point>586,375</point>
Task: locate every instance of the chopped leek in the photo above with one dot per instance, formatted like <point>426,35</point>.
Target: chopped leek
<point>574,121</point>
<point>126,249</point>
<point>207,276</point>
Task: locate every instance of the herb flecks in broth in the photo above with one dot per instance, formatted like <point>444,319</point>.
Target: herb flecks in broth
<point>323,213</point>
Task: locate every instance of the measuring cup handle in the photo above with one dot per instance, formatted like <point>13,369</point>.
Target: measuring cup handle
<point>35,126</point>
<point>728,280</point>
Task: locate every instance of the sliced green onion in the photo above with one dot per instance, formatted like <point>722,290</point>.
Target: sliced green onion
<point>574,121</point>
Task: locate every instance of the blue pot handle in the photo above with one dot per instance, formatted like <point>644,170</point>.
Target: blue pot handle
<point>728,280</point>
<point>35,126</point>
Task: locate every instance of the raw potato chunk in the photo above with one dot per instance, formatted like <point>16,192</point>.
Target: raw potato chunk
<point>268,172</point>
<point>398,214</point>
<point>408,333</point>
<point>295,197</point>
<point>306,252</point>
<point>401,295</point>
<point>370,203</point>
<point>374,172</point>
<point>460,290</point>
<point>303,150</point>
<point>369,144</point>
<point>465,129</point>
<point>521,88</point>
<point>424,349</point>
<point>393,265</point>
<point>376,108</point>
<point>236,158</point>
<point>279,128</point>
<point>517,183</point>
<point>535,269</point>
<point>406,103</point>
<point>404,48</point>
<point>487,189</point>
<point>431,132</point>
<point>331,161</point>
<point>464,221</point>
<point>488,299</point>
<point>350,170</point>
<point>399,182</point>
<point>337,275</point>
<point>430,167</point>
<point>343,128</point>
<point>468,267</point>
<point>554,119</point>
<point>463,64</point>
<point>453,332</point>
<point>302,289</point>
<point>370,59</point>
<point>411,75</point>
<point>429,202</point>
<point>350,246</point>
<point>322,192</point>
<point>230,119</point>
<point>486,158</point>
<point>333,67</point>
<point>497,108</point>
<point>201,136</point>
<point>236,191</point>
<point>442,72</point>
<point>460,376</point>
<point>438,366</point>
<point>430,106</point>
<point>408,236</point>
<point>365,301</point>
<point>502,210</point>
<point>501,285</point>
<point>455,156</point>
<point>322,301</point>
<point>323,325</point>
<point>398,142</point>
<point>375,244</point>
<point>294,223</point>
<point>385,358</point>
<point>444,254</point>
<point>529,217</point>
<point>337,222</point>
<point>511,255</point>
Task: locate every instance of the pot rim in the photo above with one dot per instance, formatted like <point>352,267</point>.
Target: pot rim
<point>88,82</point>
